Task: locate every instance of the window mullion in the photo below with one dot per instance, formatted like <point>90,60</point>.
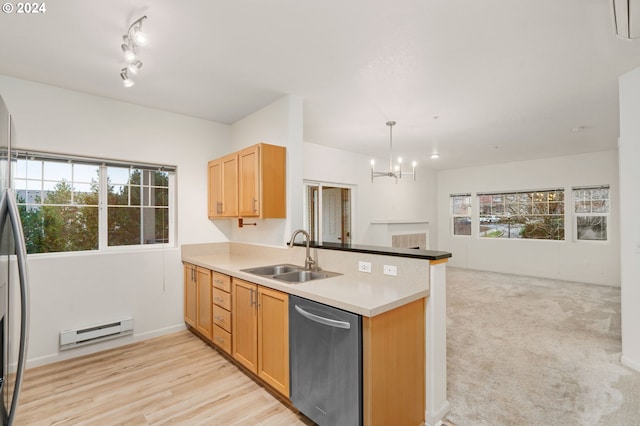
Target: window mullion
<point>103,191</point>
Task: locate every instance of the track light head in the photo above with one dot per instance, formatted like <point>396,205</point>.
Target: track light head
<point>135,32</point>
<point>134,67</point>
<point>129,54</point>
<point>140,38</point>
<point>126,81</point>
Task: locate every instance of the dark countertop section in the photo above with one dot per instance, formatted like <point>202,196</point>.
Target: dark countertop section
<point>386,251</point>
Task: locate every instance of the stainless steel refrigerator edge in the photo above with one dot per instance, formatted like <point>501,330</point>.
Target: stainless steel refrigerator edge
<point>325,345</point>
<point>14,348</point>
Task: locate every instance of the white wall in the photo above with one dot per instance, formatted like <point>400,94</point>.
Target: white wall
<point>381,200</point>
<point>80,289</point>
<point>590,262</point>
<point>629,148</point>
<point>279,123</point>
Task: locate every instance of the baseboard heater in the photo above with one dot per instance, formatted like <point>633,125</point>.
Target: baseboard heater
<point>97,333</point>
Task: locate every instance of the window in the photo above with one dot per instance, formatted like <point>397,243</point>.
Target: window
<point>461,214</point>
<point>591,207</point>
<point>60,200</point>
<point>530,214</point>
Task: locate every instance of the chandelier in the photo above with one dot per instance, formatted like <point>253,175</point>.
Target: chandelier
<point>394,171</point>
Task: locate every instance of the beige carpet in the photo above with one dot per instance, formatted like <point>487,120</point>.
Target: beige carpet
<point>530,351</point>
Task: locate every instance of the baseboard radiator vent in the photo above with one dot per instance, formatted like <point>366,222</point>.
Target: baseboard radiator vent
<point>98,333</point>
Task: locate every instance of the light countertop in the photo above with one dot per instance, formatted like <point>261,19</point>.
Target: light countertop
<point>364,294</point>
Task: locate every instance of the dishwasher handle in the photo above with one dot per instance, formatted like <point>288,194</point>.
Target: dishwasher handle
<point>322,320</point>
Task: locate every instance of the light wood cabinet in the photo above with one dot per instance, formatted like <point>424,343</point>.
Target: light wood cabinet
<point>393,366</point>
<point>262,181</point>
<point>190,294</point>
<point>273,338</point>
<point>197,299</point>
<point>249,183</point>
<point>245,324</point>
<point>222,325</point>
<point>261,332</point>
<point>223,187</point>
<point>204,322</point>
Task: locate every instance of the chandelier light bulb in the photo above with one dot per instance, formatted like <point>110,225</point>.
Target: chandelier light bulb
<point>400,160</point>
<point>414,164</point>
<point>373,163</point>
<point>435,155</point>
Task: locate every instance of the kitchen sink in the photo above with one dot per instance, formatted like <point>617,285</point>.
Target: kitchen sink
<point>304,276</point>
<point>272,269</point>
<point>290,273</point>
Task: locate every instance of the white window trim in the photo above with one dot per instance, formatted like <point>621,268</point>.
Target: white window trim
<point>320,185</point>
<point>102,165</point>
<point>454,216</point>
<point>576,214</point>
<point>504,193</point>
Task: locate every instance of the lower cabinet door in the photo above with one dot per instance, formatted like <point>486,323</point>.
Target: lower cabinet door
<point>190,295</point>
<point>245,327</point>
<point>204,320</point>
<point>273,339</point>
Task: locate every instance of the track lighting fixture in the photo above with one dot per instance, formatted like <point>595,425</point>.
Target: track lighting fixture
<point>134,38</point>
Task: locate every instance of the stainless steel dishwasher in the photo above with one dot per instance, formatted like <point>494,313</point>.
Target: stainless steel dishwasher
<point>325,345</point>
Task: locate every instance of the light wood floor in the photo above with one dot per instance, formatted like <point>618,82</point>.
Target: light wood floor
<point>175,379</point>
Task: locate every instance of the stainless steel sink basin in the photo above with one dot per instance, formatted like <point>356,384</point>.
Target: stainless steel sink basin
<point>303,276</point>
<point>291,274</point>
<point>273,269</point>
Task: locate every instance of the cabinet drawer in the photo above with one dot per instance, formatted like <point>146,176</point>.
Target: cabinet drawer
<point>222,281</point>
<point>221,298</point>
<point>222,318</point>
<point>222,339</point>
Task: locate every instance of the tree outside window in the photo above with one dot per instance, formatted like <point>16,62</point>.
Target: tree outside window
<point>523,214</point>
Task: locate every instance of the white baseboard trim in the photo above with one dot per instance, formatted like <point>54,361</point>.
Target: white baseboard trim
<point>629,363</point>
<point>434,418</point>
<point>103,346</point>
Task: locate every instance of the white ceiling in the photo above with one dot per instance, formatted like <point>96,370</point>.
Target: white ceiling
<point>509,80</point>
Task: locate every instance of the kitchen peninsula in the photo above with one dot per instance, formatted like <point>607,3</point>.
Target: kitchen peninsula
<point>403,316</point>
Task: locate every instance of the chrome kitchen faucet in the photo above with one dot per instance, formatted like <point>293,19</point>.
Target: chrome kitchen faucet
<point>309,263</point>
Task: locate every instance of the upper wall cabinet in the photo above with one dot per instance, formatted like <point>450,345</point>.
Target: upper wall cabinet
<point>249,183</point>
<point>262,181</point>
<point>223,187</point>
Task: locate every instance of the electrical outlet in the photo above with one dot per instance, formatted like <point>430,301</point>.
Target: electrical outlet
<point>390,270</point>
<point>364,267</point>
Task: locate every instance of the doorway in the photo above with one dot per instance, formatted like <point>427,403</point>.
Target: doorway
<point>328,212</point>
